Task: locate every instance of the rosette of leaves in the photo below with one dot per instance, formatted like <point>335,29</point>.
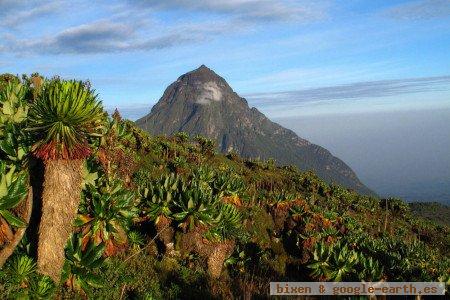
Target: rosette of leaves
<point>195,207</point>
<point>239,260</point>
<point>178,164</point>
<point>279,199</point>
<point>14,141</point>
<point>333,262</point>
<point>113,149</point>
<point>22,268</point>
<point>204,175</point>
<point>158,196</point>
<point>136,240</point>
<point>13,189</point>
<point>368,269</point>
<point>158,203</point>
<point>82,262</point>
<point>228,223</point>
<point>13,101</point>
<point>312,184</point>
<point>181,137</point>
<point>228,184</point>
<point>63,118</point>
<point>25,282</point>
<point>15,209</point>
<point>107,213</point>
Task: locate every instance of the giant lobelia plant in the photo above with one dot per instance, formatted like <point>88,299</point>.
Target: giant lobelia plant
<point>64,116</point>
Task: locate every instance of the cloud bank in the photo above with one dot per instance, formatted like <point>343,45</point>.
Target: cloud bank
<point>358,90</point>
<point>255,10</point>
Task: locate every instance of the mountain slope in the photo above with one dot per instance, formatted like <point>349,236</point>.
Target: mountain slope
<point>434,211</point>
<point>201,102</point>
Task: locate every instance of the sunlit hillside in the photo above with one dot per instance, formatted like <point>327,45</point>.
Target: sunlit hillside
<point>91,206</point>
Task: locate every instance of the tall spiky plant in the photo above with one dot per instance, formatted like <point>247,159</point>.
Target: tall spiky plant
<point>62,118</point>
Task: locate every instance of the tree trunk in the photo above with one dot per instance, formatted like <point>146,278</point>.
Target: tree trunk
<point>60,199</point>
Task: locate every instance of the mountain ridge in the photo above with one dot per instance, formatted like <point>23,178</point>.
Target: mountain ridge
<point>201,102</point>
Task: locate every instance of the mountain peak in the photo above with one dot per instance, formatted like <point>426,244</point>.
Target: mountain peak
<point>201,74</point>
<point>201,102</point>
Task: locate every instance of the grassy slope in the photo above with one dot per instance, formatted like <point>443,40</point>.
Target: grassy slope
<point>433,211</point>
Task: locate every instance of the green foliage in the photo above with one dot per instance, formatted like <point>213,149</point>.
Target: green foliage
<point>20,280</point>
<point>136,240</point>
<point>395,205</point>
<point>13,189</point>
<point>292,225</point>
<point>178,163</point>
<point>41,289</point>
<point>63,117</point>
<point>195,207</point>
<point>158,196</point>
<point>433,211</point>
<point>228,224</point>
<point>89,178</point>
<point>108,211</point>
<point>181,137</point>
<point>332,262</point>
<point>81,265</point>
<point>278,197</point>
<point>338,262</point>
<point>14,141</point>
<point>204,174</point>
<point>13,101</point>
<point>22,268</point>
<point>228,184</point>
<point>207,146</point>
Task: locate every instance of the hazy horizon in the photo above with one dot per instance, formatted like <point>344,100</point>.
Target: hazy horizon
<point>397,154</point>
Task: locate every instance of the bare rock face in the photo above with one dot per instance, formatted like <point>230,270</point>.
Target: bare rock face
<point>202,102</point>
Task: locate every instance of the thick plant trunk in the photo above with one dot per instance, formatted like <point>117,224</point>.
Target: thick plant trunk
<point>166,233</point>
<point>221,252</point>
<point>60,199</point>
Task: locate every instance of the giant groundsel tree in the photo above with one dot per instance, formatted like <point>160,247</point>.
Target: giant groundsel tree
<point>62,119</point>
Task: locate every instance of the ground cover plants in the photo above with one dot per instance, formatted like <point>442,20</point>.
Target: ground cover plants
<point>135,216</point>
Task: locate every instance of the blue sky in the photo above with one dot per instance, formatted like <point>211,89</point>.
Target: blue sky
<point>287,57</point>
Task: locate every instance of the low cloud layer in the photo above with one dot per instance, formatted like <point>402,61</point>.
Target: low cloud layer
<point>359,90</point>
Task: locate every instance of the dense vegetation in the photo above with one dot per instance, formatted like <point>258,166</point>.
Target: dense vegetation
<point>434,211</point>
<point>168,217</point>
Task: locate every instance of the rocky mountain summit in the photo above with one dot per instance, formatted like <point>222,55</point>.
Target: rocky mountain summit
<point>201,102</point>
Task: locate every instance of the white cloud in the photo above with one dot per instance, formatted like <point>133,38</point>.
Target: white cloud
<point>209,92</point>
<point>20,12</point>
<point>422,9</point>
<point>108,36</point>
<point>249,10</point>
